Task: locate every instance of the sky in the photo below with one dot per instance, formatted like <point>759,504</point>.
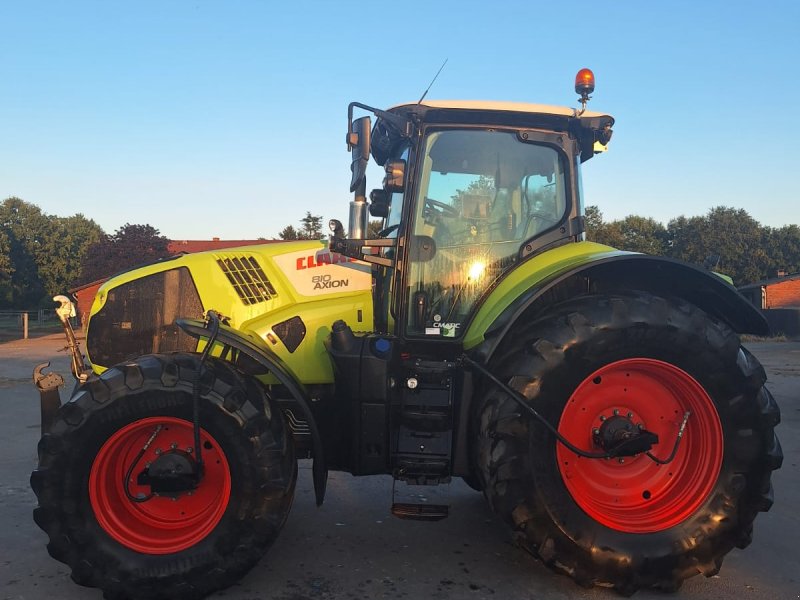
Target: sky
<point>228,118</point>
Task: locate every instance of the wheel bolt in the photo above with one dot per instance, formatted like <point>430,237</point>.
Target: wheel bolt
<point>189,450</point>
<point>173,446</point>
<point>630,415</point>
<point>158,451</point>
<point>616,412</point>
<point>621,461</point>
<point>602,417</point>
<point>596,431</point>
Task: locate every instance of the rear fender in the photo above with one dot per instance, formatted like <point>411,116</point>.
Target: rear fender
<point>608,272</point>
<point>259,352</point>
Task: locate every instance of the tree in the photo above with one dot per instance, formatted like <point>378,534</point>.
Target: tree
<point>288,233</point>
<point>783,249</point>
<point>26,229</point>
<point>727,232</point>
<point>374,227</point>
<point>43,252</point>
<point>601,232</point>
<point>66,246</point>
<point>6,269</point>
<point>129,246</point>
<point>642,234</point>
<point>311,229</point>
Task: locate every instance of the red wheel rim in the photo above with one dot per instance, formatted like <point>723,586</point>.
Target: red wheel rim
<point>161,525</point>
<point>635,494</point>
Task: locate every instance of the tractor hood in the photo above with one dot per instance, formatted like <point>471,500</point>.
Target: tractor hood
<point>286,293</point>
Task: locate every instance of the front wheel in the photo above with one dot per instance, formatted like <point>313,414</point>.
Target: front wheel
<point>118,487</point>
<point>598,368</point>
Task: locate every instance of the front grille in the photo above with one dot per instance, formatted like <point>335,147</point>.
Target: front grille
<point>247,278</point>
<point>138,318</point>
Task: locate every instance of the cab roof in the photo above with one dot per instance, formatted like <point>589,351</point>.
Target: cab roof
<point>499,106</point>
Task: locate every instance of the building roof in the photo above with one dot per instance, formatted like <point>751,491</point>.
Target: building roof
<point>771,281</point>
<point>188,246</point>
<point>95,283</point>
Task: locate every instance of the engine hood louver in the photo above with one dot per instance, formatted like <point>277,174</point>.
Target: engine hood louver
<point>247,278</point>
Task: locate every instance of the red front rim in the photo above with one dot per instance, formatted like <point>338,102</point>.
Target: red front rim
<point>635,494</point>
<point>161,525</point>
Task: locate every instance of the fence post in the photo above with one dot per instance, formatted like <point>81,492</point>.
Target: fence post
<point>25,325</point>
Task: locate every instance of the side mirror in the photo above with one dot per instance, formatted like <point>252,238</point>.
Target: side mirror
<point>378,204</point>
<point>358,141</point>
<point>394,181</point>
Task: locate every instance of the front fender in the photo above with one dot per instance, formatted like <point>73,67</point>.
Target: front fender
<point>259,352</point>
<point>589,267</point>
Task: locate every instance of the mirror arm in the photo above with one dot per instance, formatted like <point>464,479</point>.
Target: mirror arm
<point>361,250</point>
<point>403,125</point>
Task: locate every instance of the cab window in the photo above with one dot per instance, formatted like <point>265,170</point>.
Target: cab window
<point>481,194</point>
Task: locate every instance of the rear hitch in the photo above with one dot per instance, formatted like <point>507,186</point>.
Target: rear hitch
<point>48,383</point>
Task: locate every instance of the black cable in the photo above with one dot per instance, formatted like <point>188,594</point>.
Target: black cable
<point>671,457</point>
<point>126,483</point>
<point>212,319</point>
<point>521,401</point>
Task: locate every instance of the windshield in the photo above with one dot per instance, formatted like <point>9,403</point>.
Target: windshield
<point>481,194</point>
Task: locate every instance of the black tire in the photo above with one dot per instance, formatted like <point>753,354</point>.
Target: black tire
<point>518,460</point>
<point>250,477</point>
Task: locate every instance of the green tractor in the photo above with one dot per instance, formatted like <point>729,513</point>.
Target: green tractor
<point>601,400</point>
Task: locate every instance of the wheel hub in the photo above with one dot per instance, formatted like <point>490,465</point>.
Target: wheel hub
<point>171,474</point>
<point>619,436</point>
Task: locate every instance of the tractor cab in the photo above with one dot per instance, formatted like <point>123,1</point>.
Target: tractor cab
<point>471,190</point>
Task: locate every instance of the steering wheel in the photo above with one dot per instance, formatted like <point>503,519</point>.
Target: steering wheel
<point>444,210</point>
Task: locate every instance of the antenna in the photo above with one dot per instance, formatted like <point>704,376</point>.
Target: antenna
<point>425,93</point>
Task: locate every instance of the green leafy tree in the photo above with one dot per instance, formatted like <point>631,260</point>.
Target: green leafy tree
<point>597,230</point>
<point>66,247</point>
<point>373,228</point>
<point>730,233</point>
<point>310,229</point>
<point>129,246</point>
<point>642,234</point>
<point>782,246</point>
<point>6,269</point>
<point>288,233</point>
<point>26,229</point>
<point>43,252</point>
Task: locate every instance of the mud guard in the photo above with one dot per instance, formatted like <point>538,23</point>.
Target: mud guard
<point>655,274</point>
<point>251,347</point>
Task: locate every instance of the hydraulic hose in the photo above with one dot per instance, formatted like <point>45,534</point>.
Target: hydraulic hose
<point>522,402</point>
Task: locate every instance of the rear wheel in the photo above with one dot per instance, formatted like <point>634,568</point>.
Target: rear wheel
<point>121,528</point>
<point>603,363</point>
